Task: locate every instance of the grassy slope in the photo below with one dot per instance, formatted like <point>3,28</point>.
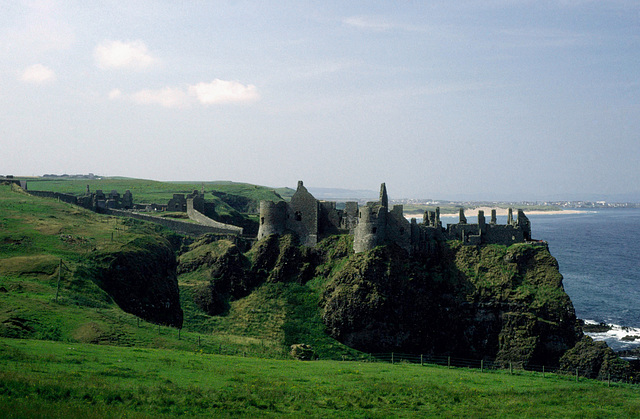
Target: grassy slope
<point>35,234</point>
<point>40,379</point>
<point>150,191</point>
<point>275,314</point>
<point>98,381</point>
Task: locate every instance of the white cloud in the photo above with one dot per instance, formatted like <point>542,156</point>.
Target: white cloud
<point>367,23</point>
<point>222,91</point>
<point>118,54</point>
<point>169,97</point>
<point>115,94</point>
<point>216,92</point>
<point>37,74</point>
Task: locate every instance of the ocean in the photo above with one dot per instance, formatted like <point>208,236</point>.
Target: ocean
<point>598,255</point>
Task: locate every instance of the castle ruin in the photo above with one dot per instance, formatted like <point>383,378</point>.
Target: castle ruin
<point>310,219</point>
<point>375,224</point>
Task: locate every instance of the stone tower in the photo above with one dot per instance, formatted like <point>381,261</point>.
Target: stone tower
<point>372,223</point>
<point>273,218</point>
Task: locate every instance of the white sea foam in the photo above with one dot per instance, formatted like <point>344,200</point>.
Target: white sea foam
<point>617,337</point>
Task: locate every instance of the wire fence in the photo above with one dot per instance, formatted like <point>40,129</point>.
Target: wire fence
<point>269,349</point>
<point>482,365</point>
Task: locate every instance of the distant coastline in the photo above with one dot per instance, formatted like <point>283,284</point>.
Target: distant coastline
<point>472,212</point>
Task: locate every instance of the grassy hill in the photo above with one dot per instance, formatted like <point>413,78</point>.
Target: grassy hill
<point>70,351</point>
<point>151,191</point>
<point>37,234</point>
<point>53,379</point>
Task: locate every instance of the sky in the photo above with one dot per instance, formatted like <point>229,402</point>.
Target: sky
<point>494,99</point>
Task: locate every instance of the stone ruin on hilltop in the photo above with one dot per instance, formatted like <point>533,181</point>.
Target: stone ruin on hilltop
<point>375,224</point>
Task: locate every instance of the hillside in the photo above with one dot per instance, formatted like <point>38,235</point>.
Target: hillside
<point>110,269</point>
<point>61,379</point>
<point>482,302</point>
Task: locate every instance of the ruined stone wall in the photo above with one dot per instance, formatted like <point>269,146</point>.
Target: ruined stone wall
<point>174,225</point>
<point>303,217</point>
<point>371,229</point>
<point>491,233</point>
<point>200,218</point>
<point>350,216</point>
<point>329,219</point>
<point>273,218</point>
<point>197,203</point>
<point>177,204</point>
<point>462,231</point>
<point>503,234</point>
<point>398,228</point>
<point>71,199</point>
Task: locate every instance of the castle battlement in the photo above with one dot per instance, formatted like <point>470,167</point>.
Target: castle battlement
<point>374,224</point>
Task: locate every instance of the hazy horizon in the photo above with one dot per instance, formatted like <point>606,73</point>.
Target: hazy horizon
<point>504,100</point>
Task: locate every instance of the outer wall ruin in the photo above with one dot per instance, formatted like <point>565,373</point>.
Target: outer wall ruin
<point>122,205</point>
<point>374,224</point>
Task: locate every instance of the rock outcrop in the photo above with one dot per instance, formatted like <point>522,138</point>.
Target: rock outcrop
<point>141,278</point>
<point>503,303</point>
<point>485,301</point>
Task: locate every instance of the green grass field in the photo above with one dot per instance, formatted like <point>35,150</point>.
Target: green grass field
<point>61,379</point>
<point>151,191</point>
<point>80,355</point>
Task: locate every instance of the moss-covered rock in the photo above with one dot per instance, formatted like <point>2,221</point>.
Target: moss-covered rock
<point>593,360</point>
<point>225,273</point>
<point>141,279</point>
<point>469,301</point>
<point>490,301</point>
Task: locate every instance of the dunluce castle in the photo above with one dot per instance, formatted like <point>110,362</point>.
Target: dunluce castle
<point>374,224</point>
<point>312,220</point>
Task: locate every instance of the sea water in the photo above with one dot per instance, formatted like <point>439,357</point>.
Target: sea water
<point>598,255</point>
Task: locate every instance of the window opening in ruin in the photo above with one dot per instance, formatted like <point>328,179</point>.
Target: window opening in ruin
<point>261,221</point>
<point>298,216</point>
<point>375,229</point>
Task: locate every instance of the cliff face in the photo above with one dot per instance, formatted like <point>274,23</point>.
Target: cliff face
<point>141,279</point>
<point>486,301</point>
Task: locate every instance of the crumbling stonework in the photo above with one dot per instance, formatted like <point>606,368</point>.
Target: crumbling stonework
<point>178,203</point>
<point>115,204</point>
<point>376,225</point>
<point>305,216</point>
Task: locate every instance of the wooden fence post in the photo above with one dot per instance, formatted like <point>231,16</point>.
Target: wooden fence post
<point>481,365</point>
<point>58,284</point>
<point>392,361</point>
<point>448,362</point>
<point>421,360</point>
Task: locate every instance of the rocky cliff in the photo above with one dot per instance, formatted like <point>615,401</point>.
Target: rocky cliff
<point>490,301</point>
<point>141,278</point>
